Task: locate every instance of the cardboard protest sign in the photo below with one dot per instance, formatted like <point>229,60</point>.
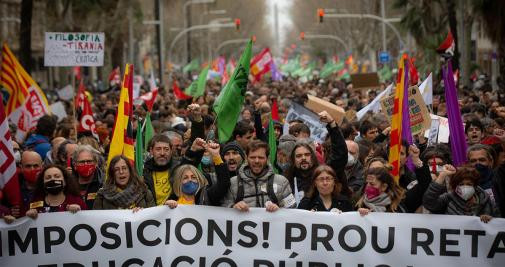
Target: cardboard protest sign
<point>365,81</point>
<point>74,49</point>
<point>318,105</point>
<point>420,119</point>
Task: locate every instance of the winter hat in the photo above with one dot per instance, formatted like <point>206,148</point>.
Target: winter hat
<point>232,146</point>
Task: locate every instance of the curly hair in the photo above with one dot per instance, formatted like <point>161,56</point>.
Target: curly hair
<point>71,185</point>
<point>466,172</point>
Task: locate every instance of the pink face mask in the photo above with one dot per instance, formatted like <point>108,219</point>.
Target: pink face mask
<point>372,192</point>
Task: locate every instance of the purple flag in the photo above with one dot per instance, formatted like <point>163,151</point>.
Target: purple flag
<point>457,139</point>
<point>276,75</point>
<point>406,131</point>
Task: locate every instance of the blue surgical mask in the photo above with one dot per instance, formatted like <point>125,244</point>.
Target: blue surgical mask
<point>205,160</point>
<point>190,188</point>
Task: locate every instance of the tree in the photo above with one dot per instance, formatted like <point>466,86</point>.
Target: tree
<point>25,35</point>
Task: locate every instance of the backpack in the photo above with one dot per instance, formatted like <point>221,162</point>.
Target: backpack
<point>270,189</point>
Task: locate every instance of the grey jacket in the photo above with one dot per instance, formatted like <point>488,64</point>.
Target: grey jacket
<point>255,189</point>
<point>437,200</point>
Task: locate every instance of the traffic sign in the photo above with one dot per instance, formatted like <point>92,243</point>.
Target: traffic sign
<point>384,57</point>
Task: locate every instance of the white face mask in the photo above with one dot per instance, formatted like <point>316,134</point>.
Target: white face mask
<point>465,191</point>
<point>17,156</point>
<point>351,160</point>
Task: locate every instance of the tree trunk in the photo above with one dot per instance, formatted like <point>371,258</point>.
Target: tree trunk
<point>25,35</point>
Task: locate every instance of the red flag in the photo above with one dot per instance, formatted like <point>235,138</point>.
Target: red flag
<point>275,110</point>
<point>413,74</point>
<point>114,77</point>
<point>260,64</point>
<point>77,72</point>
<point>447,46</point>
<point>178,93</point>
<point>84,112</point>
<point>9,183</point>
<point>149,98</point>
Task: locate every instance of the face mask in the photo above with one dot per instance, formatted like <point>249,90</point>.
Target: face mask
<point>439,168</point>
<point>85,170</point>
<point>53,187</point>
<point>484,170</point>
<point>465,191</point>
<point>190,188</point>
<point>351,160</point>
<point>31,175</point>
<point>372,192</point>
<point>284,166</point>
<point>17,156</point>
<point>205,160</point>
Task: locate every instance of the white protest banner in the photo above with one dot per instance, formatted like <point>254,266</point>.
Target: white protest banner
<point>137,82</point>
<point>443,129</point>
<point>212,236</point>
<point>66,93</point>
<point>74,49</point>
<point>426,89</point>
<point>375,104</point>
<point>317,129</point>
<point>58,109</point>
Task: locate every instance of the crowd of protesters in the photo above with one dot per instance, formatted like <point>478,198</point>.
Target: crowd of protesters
<point>62,170</point>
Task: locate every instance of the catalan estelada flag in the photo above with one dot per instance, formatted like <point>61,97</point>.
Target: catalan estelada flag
<point>14,81</point>
<point>397,119</point>
<point>122,137</point>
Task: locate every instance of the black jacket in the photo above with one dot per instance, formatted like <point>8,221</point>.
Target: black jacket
<point>316,204</point>
<point>213,194</point>
<point>415,188</point>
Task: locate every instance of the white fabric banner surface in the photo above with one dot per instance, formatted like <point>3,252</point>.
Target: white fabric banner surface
<point>211,236</point>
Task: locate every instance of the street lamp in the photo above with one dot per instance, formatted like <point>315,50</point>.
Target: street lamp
<point>187,21</point>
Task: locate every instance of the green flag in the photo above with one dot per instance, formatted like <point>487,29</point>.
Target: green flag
<point>272,143</point>
<point>385,74</point>
<point>331,68</point>
<point>197,88</point>
<point>231,98</point>
<point>139,152</point>
<point>148,130</point>
<point>193,65</point>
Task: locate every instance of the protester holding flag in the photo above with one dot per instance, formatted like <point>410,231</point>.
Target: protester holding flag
<point>123,189</point>
<point>56,191</point>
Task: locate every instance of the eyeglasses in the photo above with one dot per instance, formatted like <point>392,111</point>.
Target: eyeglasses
<point>325,179</point>
<point>82,162</point>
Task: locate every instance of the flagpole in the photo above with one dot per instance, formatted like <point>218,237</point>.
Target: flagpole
<point>74,110</point>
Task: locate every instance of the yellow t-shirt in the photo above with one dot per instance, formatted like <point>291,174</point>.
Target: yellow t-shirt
<point>184,201</point>
<point>162,186</point>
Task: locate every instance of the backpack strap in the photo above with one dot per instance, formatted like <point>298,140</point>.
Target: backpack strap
<point>270,189</point>
<point>240,189</point>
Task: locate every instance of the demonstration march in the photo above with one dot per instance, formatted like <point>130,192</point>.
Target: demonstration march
<point>252,133</point>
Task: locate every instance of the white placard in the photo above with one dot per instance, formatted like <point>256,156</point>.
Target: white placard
<point>211,236</point>
<point>74,49</point>
<point>66,93</point>
<point>58,109</point>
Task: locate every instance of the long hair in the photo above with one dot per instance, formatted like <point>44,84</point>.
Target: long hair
<point>340,187</point>
<point>290,174</point>
<point>71,185</point>
<point>394,191</point>
<point>202,181</point>
<point>110,182</point>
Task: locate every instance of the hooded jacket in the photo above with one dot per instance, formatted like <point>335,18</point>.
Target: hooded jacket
<point>255,188</point>
<point>39,144</point>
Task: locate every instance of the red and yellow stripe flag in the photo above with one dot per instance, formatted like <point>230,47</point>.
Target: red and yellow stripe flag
<point>396,122</point>
<point>14,81</point>
<point>122,137</point>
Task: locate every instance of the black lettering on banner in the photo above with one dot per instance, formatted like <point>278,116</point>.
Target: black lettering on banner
<point>158,262</point>
<point>128,233</point>
<point>317,264</point>
<point>362,237</point>
<point>214,228</point>
<point>106,234</point>
<point>390,244</point>
<point>444,242</point>
<point>424,244</point>
<point>140,233</point>
<point>178,231</point>
<point>475,240</point>
<point>14,239</point>
<point>261,263</point>
<point>218,261</point>
<point>167,231</point>
<point>92,235</point>
<point>181,259</point>
<point>48,265</point>
<point>132,261</point>
<point>289,234</point>
<point>48,242</point>
<point>499,239</point>
<point>325,240</point>
<point>73,264</point>
<point>244,232</point>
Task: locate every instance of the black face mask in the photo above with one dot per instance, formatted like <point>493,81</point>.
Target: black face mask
<point>53,187</point>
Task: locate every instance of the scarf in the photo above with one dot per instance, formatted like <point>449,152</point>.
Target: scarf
<point>377,204</point>
<point>132,194</point>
